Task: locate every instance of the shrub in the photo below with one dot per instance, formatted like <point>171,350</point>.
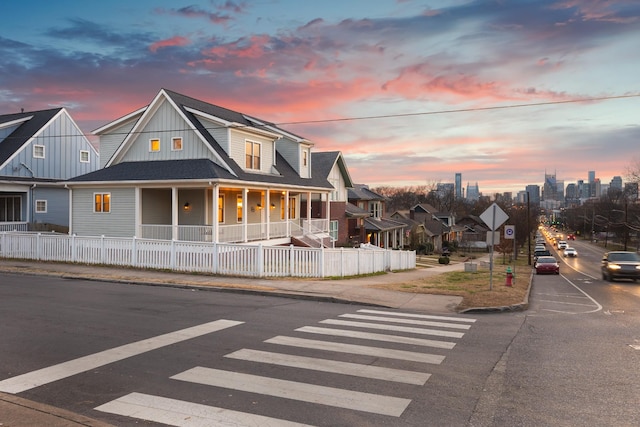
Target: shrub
<point>443,260</point>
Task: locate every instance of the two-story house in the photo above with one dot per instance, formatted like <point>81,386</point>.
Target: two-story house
<point>38,150</point>
<point>374,229</point>
<point>184,169</point>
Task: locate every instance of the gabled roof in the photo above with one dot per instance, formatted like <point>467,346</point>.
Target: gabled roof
<point>354,211</point>
<point>192,110</point>
<point>382,224</point>
<point>323,162</point>
<point>31,123</point>
<point>425,207</point>
<point>362,192</point>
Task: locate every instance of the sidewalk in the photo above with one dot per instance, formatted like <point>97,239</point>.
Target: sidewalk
<point>18,412</point>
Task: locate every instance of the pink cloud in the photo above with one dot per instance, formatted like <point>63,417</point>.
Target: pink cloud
<point>173,41</point>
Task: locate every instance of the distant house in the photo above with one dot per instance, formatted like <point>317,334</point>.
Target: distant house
<point>374,229</point>
<point>38,150</point>
<point>475,233</point>
<point>184,169</point>
<point>415,232</point>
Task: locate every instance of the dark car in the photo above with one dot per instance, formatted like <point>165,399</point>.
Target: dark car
<point>620,265</point>
<point>539,253</point>
<point>546,264</point>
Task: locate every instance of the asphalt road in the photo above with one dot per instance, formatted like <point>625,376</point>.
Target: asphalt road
<point>100,349</point>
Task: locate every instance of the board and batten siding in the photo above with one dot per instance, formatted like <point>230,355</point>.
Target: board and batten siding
<point>109,142</point>
<point>166,124</point>
<point>57,205</point>
<point>120,222</point>
<point>62,142</point>
<point>238,149</point>
<point>340,194</point>
<point>219,132</point>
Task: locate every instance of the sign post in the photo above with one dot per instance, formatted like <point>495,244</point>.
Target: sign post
<point>494,217</point>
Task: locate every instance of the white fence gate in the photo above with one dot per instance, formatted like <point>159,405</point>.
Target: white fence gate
<point>215,258</point>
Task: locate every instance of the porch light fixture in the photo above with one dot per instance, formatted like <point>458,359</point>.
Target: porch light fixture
<point>273,205</point>
<point>187,207</point>
<point>259,206</point>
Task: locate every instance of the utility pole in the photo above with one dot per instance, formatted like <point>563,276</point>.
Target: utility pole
<point>528,229</point>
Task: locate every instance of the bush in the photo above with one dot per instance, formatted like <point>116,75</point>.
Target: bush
<point>443,260</point>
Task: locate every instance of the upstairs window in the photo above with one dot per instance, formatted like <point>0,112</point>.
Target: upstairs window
<point>252,151</point>
<point>84,156</point>
<point>176,144</point>
<point>38,151</point>
<point>154,145</point>
<point>102,202</point>
<point>305,160</point>
<point>375,208</point>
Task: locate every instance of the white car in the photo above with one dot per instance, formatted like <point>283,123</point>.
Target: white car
<point>569,251</point>
<point>562,244</point>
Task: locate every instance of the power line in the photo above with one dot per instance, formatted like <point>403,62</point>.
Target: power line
<point>375,117</point>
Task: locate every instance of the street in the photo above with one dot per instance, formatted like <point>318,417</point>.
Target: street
<point>153,355</point>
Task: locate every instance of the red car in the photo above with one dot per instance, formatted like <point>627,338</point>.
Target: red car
<point>547,264</point>
<point>571,237</point>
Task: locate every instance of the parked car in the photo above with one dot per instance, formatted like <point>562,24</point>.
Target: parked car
<point>570,252</point>
<point>538,254</point>
<point>620,265</point>
<point>540,248</point>
<point>562,244</point>
<point>546,264</point>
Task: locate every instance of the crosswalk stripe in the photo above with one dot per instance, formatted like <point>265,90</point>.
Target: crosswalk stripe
<point>419,316</point>
<point>421,331</point>
<point>333,366</point>
<point>376,337</point>
<point>186,414</point>
<point>330,396</point>
<point>405,321</point>
<point>57,372</point>
<point>357,349</point>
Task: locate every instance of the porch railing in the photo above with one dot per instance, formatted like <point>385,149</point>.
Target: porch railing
<point>234,233</point>
<point>14,226</point>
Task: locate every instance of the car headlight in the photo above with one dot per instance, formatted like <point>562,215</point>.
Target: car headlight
<point>614,267</point>
<point>637,267</point>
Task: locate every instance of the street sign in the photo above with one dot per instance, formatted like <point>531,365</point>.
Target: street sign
<point>494,217</point>
<point>509,231</point>
<point>493,238</point>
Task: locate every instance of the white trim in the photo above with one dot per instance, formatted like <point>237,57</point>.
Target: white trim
<point>36,206</point>
<point>44,151</point>
<point>252,169</point>
<point>88,156</point>
<point>151,150</point>
<point>173,143</point>
<point>15,122</point>
<point>119,121</point>
<point>93,202</point>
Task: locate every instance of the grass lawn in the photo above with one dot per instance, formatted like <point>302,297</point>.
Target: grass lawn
<point>473,287</point>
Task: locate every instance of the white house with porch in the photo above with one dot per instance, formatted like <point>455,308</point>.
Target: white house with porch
<point>184,169</point>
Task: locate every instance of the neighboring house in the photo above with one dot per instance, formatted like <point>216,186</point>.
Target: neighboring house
<point>475,233</point>
<point>378,230</point>
<point>331,166</point>
<point>440,226</point>
<point>38,150</point>
<point>415,232</point>
<point>184,169</point>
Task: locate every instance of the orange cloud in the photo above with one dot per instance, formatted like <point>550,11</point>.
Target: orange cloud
<point>173,41</point>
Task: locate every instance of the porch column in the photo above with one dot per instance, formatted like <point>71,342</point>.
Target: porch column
<point>137,213</point>
<point>174,213</point>
<point>328,211</point>
<point>286,212</point>
<point>267,206</point>
<point>245,202</point>
<point>308,212</point>
<point>214,223</point>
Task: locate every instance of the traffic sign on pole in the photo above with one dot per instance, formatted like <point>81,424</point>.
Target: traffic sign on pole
<point>509,231</point>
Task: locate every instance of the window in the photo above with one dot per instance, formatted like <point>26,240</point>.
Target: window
<point>176,143</point>
<point>239,207</point>
<point>333,230</point>
<point>252,150</point>
<point>154,145</point>
<point>41,206</point>
<point>375,208</point>
<point>305,153</point>
<point>84,156</point>
<point>292,208</point>
<point>38,151</point>
<point>10,208</point>
<point>102,202</point>
<point>221,208</point>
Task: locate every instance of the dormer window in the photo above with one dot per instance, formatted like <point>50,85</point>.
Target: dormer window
<point>252,152</point>
<point>305,153</point>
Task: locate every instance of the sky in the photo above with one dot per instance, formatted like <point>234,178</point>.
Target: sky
<point>410,91</point>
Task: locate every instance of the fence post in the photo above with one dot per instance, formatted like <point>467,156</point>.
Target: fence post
<point>215,258</point>
<point>260,260</point>
<point>74,250</point>
<point>173,254</point>
<point>321,262</point>
<point>38,236</point>
<point>291,260</point>
<point>102,249</point>
<point>3,244</point>
<point>134,252</point>
<point>341,262</point>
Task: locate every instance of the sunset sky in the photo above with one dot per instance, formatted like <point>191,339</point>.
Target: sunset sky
<point>406,89</point>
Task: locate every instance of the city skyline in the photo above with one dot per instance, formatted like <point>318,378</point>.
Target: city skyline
<point>410,92</point>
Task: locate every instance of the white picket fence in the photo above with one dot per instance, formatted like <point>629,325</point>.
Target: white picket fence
<point>202,257</point>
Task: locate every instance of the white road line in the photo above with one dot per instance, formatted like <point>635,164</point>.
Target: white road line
<point>406,321</point>
<point>357,349</point>
<point>330,396</point>
<point>377,337</point>
<point>86,363</point>
<point>419,316</point>
<point>185,414</point>
<point>333,366</point>
<point>421,331</point>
